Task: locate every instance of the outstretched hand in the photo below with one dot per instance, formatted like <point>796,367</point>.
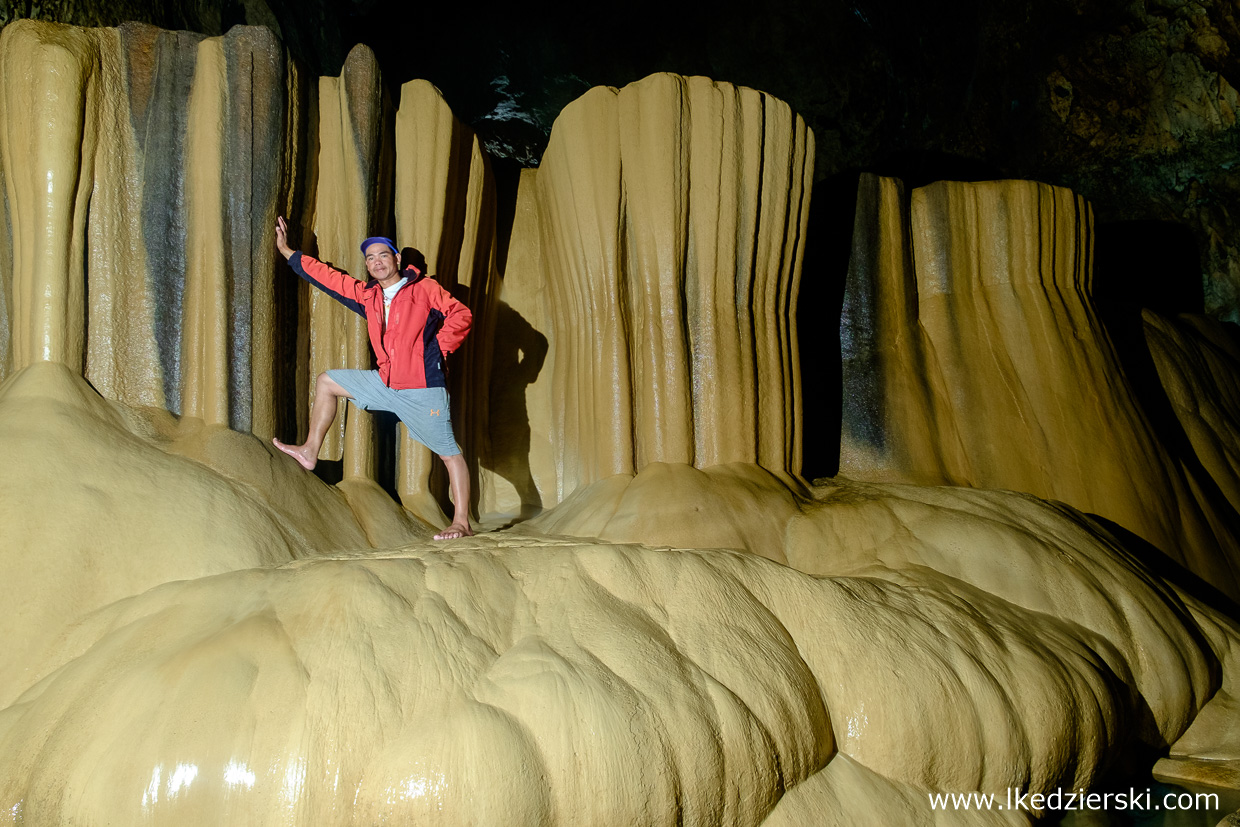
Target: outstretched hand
<point>282,237</point>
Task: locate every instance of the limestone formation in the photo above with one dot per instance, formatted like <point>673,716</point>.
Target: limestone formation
<point>651,326</point>
<point>138,174</point>
<point>189,306</point>
<point>674,314</point>
<point>700,317</point>
<point>433,169</point>
<point>673,504</point>
<point>99,502</point>
<point>50,92</point>
<point>585,682</point>
<point>974,356</point>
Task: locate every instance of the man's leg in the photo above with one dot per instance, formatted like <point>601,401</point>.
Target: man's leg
<point>322,413</point>
<point>458,484</point>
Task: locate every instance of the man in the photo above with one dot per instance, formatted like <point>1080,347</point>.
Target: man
<point>413,324</point>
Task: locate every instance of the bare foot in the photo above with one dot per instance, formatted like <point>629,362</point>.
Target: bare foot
<point>297,452</point>
<point>454,531</point>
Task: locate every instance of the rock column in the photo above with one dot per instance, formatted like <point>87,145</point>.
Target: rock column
<point>673,218</point>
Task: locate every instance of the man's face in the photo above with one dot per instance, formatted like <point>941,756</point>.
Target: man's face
<point>381,262</point>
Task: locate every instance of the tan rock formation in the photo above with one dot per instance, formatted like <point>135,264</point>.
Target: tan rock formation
<point>672,316</point>
<point>99,502</point>
<point>175,245</point>
<point>184,316</point>
<point>845,793</point>
<point>579,683</point>
<point>1208,752</point>
<point>445,208</point>
<point>648,326</point>
<point>738,506</point>
<point>49,99</point>
<point>175,154</point>
<point>984,364</point>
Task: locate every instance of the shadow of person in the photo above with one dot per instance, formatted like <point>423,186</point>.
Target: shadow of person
<point>517,359</point>
<point>412,257</point>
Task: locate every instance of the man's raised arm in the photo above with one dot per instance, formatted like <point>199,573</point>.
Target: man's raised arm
<point>339,285</point>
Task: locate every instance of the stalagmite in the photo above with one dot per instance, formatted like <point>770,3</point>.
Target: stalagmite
<point>675,313</point>
<point>232,128</point>
<point>290,372</point>
<point>122,354</point>
<point>50,93</point>
<point>879,337</point>
<point>205,344</point>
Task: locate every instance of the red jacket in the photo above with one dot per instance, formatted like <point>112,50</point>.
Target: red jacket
<point>424,321</point>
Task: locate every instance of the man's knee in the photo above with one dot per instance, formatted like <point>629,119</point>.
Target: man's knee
<point>325,384</point>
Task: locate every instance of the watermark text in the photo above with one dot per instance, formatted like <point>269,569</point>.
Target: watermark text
<point>1067,800</point>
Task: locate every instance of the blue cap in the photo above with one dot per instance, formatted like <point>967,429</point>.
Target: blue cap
<point>381,240</point>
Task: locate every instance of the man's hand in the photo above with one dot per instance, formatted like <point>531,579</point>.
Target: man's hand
<point>282,238</point>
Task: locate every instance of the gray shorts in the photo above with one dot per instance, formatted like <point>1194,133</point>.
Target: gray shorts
<point>423,410</point>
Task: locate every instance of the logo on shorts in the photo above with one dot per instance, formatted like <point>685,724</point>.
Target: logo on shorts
<point>435,411</point>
